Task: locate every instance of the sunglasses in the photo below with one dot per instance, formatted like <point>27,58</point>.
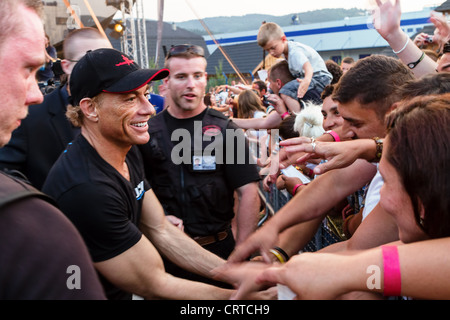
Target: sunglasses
<point>186,48</point>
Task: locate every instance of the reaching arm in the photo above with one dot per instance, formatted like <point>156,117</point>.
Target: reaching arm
<point>140,270</point>
<point>248,210</point>
<point>172,242</point>
<point>424,268</point>
<point>272,121</point>
<point>386,20</point>
<point>322,194</point>
<point>378,228</point>
<point>306,81</point>
<point>338,154</point>
<point>224,108</point>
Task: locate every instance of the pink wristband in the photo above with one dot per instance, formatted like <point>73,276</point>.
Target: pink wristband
<point>295,188</point>
<point>284,115</point>
<point>392,274</point>
<point>334,135</point>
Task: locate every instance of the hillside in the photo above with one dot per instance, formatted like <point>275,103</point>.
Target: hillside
<point>222,24</point>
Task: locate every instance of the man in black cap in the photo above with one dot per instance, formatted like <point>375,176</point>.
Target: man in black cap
<point>99,184</point>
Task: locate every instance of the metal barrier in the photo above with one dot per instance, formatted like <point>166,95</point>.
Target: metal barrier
<point>327,234</point>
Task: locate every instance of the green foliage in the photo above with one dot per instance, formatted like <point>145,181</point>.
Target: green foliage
<point>218,78</point>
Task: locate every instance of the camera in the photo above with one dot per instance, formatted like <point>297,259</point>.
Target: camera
<point>266,99</point>
<point>429,39</point>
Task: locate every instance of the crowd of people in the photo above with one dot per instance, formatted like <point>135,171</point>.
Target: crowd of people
<point>166,205</point>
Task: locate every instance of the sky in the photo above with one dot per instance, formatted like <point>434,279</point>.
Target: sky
<point>179,10</point>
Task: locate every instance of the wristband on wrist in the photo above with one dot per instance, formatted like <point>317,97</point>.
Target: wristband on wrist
<point>284,115</point>
<point>392,274</point>
<point>294,190</point>
<point>278,255</point>
<point>334,135</point>
<point>412,65</point>
<point>282,252</point>
<point>379,152</point>
<point>404,47</point>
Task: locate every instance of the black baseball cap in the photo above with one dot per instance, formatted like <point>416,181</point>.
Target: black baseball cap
<point>108,70</point>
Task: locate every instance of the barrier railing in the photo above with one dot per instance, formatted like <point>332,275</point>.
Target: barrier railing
<point>327,234</point>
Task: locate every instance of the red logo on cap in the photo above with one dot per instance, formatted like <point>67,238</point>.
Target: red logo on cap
<point>126,61</point>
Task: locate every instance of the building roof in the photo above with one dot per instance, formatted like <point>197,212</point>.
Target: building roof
<point>443,7</point>
<point>427,29</point>
<point>245,57</point>
<point>351,36</point>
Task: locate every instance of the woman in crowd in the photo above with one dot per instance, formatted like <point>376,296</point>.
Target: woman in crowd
<point>249,105</point>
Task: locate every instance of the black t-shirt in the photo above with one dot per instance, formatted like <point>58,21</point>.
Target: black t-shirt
<point>102,204</point>
<point>43,257</point>
<point>195,165</point>
<point>238,172</point>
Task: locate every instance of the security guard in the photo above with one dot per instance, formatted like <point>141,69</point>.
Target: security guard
<point>197,160</point>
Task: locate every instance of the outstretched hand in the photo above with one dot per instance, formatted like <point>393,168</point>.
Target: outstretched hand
<point>442,32</point>
<point>338,154</point>
<point>387,17</point>
<point>308,275</point>
<point>262,240</point>
<point>243,277</point>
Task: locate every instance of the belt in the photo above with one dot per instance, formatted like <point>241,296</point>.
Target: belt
<point>203,241</point>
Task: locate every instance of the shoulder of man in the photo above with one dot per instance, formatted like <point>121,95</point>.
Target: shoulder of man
<point>158,116</point>
<point>14,189</point>
<point>217,114</point>
<point>26,222</point>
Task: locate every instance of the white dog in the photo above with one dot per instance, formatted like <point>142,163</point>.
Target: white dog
<point>309,122</point>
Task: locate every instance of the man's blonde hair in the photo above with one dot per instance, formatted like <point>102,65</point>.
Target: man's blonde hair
<point>9,16</point>
<point>72,41</point>
<point>76,115</point>
<point>269,31</point>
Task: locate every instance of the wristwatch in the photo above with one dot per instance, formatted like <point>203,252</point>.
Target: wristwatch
<point>412,65</point>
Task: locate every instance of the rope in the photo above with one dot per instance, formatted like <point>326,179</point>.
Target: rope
<point>217,43</point>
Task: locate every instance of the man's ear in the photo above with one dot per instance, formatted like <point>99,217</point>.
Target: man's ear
<point>89,109</point>
<point>279,83</point>
<point>66,66</point>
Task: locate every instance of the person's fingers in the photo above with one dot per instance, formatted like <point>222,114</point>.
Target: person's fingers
<point>295,141</point>
<point>304,158</point>
<point>271,275</point>
<point>242,252</point>
<point>326,166</point>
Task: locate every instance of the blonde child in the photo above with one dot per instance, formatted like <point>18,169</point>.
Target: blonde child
<point>305,64</point>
